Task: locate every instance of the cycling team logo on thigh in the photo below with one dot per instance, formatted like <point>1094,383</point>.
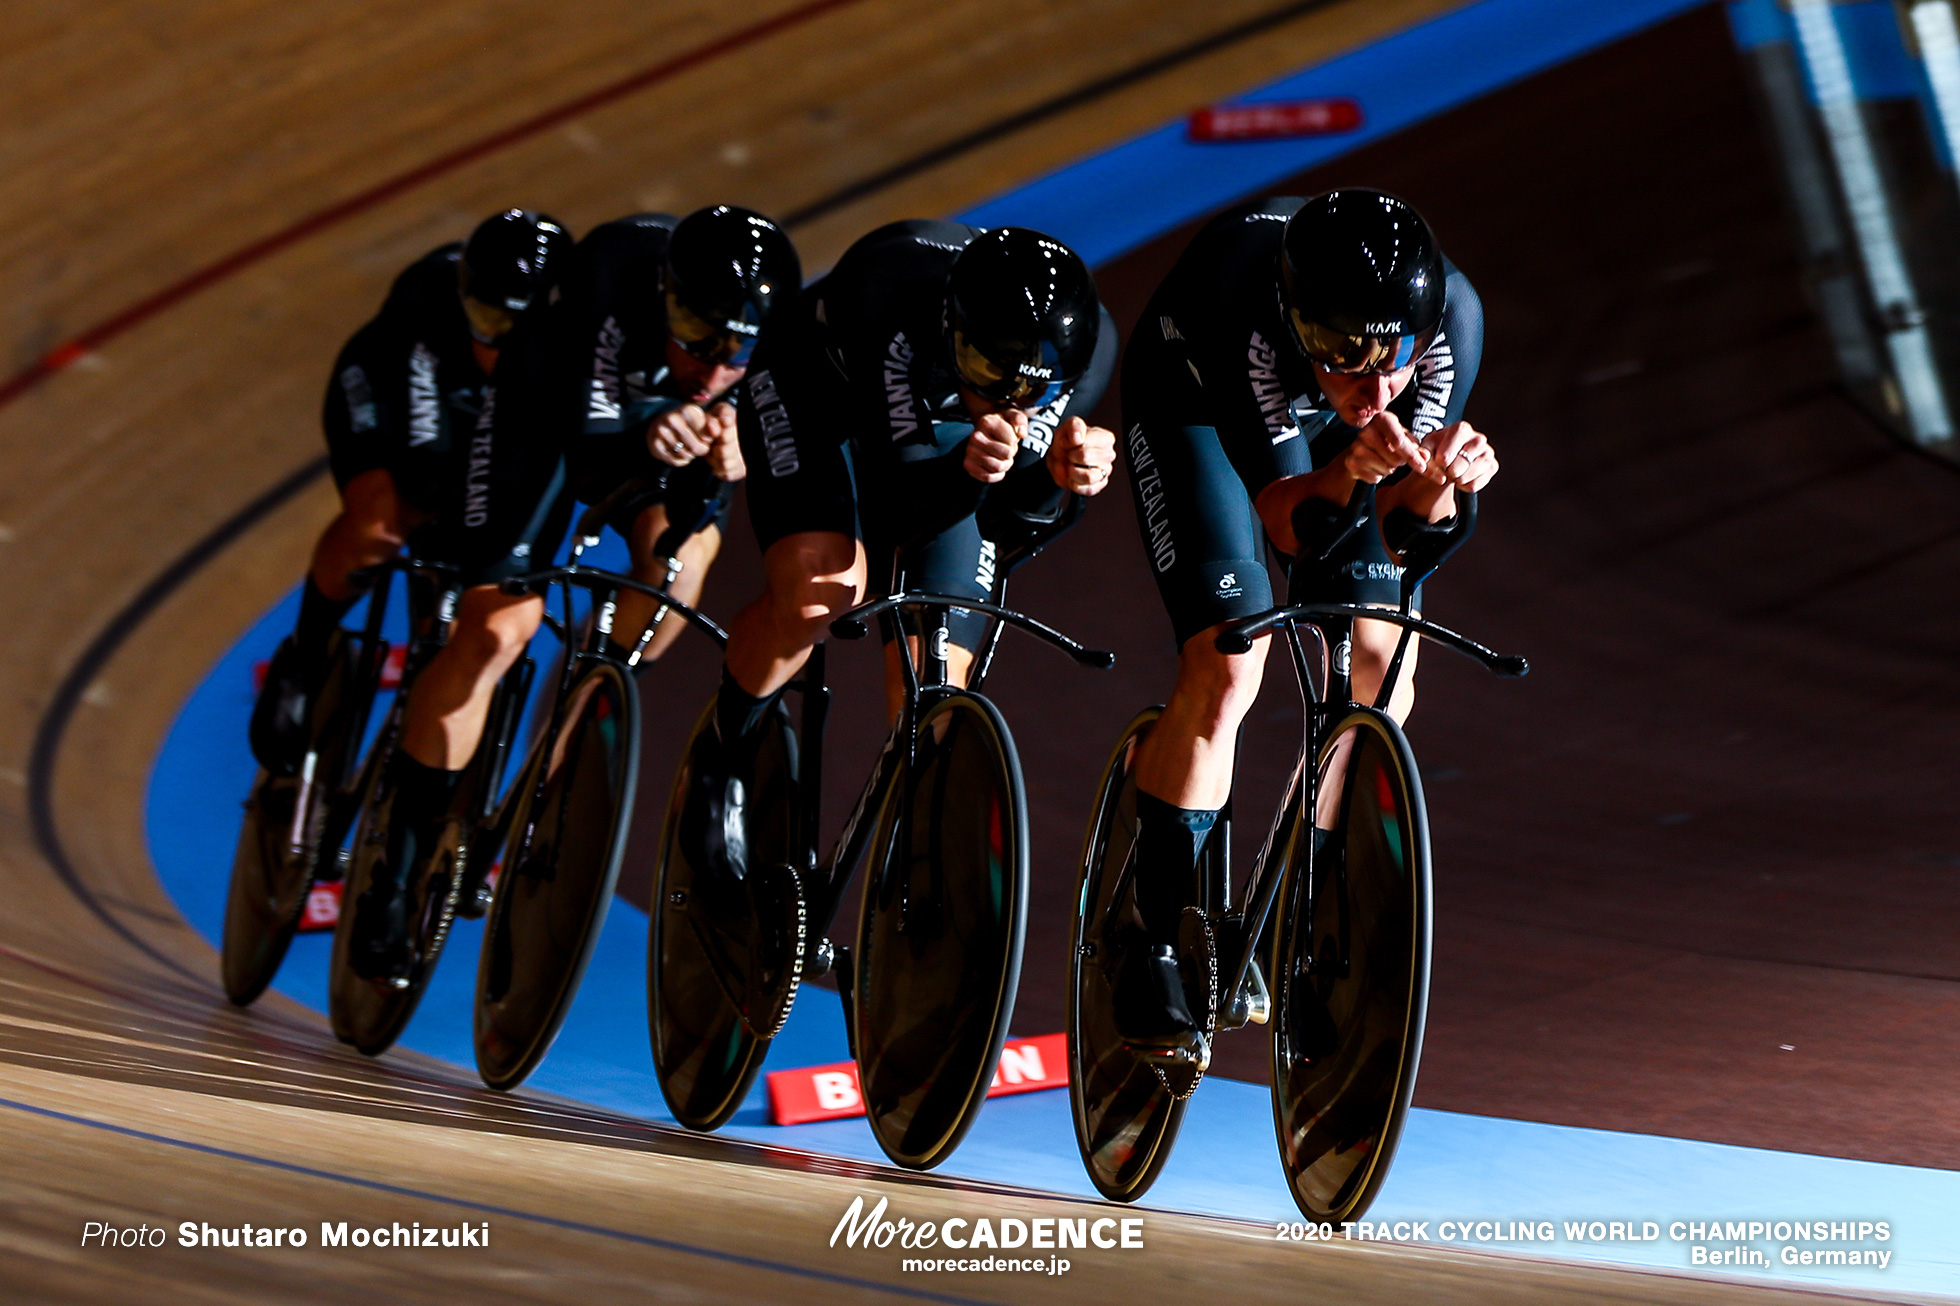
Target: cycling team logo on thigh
<point>1229,587</point>
<point>1361,569</point>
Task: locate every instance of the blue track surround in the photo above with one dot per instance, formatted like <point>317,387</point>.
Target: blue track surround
<point>1450,1167</point>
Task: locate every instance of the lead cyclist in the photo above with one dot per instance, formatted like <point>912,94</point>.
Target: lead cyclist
<point>1296,350</point>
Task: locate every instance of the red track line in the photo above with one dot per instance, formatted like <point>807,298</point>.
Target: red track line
<point>66,353</point>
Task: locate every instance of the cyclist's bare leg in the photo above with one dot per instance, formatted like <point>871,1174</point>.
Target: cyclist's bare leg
<point>373,523</point>
<point>1187,759</point>
<point>450,699</point>
<point>697,554</point>
<point>813,577</point>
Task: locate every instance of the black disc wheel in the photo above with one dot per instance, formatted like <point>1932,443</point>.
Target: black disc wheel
<point>279,841</point>
<point>561,858</point>
<point>725,948</point>
<point>1126,1119</point>
<point>938,959</point>
<point>1351,970</point>
<point>371,1014</point>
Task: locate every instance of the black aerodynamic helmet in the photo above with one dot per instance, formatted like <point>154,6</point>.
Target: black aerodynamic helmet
<point>1021,316</point>
<point>1361,280</point>
<point>728,271</point>
<point>510,264</point>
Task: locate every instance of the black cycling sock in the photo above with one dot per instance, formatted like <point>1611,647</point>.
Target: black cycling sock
<point>1168,842</point>
<point>422,795</point>
<point>318,615</point>
<point>738,712</point>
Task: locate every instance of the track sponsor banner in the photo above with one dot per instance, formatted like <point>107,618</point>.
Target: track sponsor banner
<point>322,911</point>
<point>1285,120</point>
<point>797,1097</point>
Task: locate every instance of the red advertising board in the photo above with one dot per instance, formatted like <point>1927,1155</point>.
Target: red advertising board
<point>322,911</point>
<point>797,1097</point>
<point>1274,122</point>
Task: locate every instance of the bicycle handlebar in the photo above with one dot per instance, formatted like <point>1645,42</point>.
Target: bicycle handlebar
<point>594,578</point>
<point>856,623</point>
<point>1237,638</point>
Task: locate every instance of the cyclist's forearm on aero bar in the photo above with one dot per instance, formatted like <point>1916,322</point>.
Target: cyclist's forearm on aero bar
<point>1277,501</point>
<point>1421,496</point>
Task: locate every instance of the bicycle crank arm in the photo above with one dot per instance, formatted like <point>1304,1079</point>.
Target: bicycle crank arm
<point>1251,1005</point>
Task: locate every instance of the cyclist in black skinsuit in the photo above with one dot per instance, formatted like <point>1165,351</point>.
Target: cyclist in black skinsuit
<point>659,317</point>
<point>442,428</point>
<point>1295,349</point>
<point>925,402</point>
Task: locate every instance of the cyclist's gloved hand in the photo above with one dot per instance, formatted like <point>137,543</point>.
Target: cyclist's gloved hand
<point>1461,457</point>
<point>1082,456</point>
<point>680,435</point>
<point>1380,447</point>
<point>725,450</point>
<point>995,440</point>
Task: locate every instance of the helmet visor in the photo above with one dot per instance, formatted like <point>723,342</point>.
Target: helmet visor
<point>725,342</point>
<point>1358,355</point>
<point>1027,382</point>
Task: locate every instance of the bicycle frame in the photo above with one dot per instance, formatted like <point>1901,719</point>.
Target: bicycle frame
<point>919,682</point>
<point>605,587</point>
<point>429,620</point>
<point>1323,704</point>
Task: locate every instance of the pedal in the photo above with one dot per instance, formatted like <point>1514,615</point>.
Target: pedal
<point>1179,1069</point>
<point>1253,998</point>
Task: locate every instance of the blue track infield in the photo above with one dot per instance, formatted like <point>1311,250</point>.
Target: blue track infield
<point>1451,1168</point>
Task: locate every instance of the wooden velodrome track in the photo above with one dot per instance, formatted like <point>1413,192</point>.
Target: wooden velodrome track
<point>200,206</point>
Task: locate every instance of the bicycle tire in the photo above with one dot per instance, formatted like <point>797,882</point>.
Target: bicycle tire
<point>1351,974</point>
<point>705,1055</point>
<point>271,875</point>
<point>561,857</point>
<point>938,957</point>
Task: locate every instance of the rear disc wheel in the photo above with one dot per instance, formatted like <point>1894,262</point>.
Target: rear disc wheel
<point>367,1013</point>
<point>1126,1119</point>
<point>708,1039</point>
<point>278,851</point>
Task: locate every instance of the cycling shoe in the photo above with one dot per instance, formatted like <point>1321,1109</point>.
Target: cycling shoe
<point>278,731</point>
<point>714,816</point>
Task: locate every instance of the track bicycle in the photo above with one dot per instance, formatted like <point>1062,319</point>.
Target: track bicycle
<point>928,985</point>
<point>563,828</point>
<point>1336,912</point>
